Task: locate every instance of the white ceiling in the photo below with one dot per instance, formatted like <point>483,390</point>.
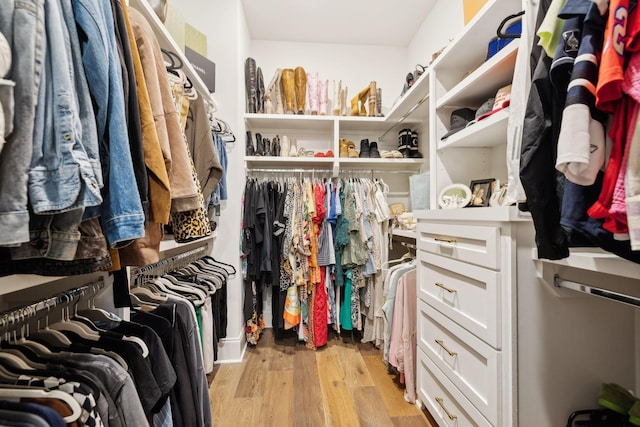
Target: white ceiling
<point>372,22</point>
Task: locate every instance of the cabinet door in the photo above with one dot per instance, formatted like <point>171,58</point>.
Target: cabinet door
<point>470,364</point>
<point>474,244</point>
<point>443,400</point>
<point>467,294</point>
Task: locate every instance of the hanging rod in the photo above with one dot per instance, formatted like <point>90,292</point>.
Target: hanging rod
<point>403,171</point>
<point>403,118</point>
<point>290,170</point>
<point>16,316</point>
<point>592,290</point>
<point>171,261</point>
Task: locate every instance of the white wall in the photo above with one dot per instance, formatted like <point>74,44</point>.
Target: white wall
<point>443,23</point>
<point>355,65</point>
<point>223,22</point>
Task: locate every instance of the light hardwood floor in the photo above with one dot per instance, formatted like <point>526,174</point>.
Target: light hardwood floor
<point>282,383</point>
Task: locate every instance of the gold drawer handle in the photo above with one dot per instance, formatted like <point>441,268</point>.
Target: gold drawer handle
<point>440,285</point>
<point>444,239</point>
<point>441,402</point>
<point>441,344</point>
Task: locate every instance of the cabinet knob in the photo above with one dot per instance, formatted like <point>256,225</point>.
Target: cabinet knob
<point>446,411</point>
<point>445,239</point>
<point>440,285</point>
<point>441,344</point>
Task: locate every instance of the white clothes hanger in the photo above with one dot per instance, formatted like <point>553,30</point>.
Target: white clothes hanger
<point>15,393</point>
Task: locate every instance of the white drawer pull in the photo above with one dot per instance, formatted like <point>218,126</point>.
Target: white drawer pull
<point>440,285</point>
<point>441,344</point>
<point>441,403</point>
<point>445,239</point>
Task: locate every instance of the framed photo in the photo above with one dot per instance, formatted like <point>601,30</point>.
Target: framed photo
<point>481,192</point>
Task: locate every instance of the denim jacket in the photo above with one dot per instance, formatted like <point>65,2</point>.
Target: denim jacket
<point>22,23</point>
<point>122,216</point>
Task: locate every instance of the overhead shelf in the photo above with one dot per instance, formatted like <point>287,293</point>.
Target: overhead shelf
<point>289,162</point>
<point>290,122</point>
<point>398,165</point>
<point>489,132</point>
<point>484,81</point>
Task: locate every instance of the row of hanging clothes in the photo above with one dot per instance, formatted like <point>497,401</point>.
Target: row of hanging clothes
<point>319,244</point>
<point>397,319</point>
<point>580,142</point>
<point>104,141</point>
<point>95,369</point>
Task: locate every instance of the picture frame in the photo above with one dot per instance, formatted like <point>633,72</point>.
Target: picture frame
<point>481,192</point>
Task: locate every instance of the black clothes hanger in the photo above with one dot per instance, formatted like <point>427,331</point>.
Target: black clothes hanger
<point>175,60</point>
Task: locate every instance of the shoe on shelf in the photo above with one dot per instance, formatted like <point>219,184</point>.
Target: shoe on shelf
<point>259,145</point>
<point>373,93</point>
<point>323,97</point>
<point>289,90</point>
<point>285,146</point>
<point>414,153</point>
<point>386,154</point>
<point>300,79</point>
<point>270,101</point>
<point>359,101</point>
<point>351,150</point>
<point>249,149</point>
<point>275,146</point>
<point>404,141</point>
<point>617,398</point>
<point>313,91</point>
<point>344,148</point>
<point>373,150</point>
<point>335,102</point>
<point>266,143</point>
<point>251,84</point>
<point>260,92</point>
<point>397,154</point>
<point>329,153</point>
<point>364,148</point>
<point>293,147</point>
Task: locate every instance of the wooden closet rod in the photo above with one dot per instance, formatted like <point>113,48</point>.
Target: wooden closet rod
<point>592,290</point>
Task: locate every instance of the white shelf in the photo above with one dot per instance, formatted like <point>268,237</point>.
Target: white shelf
<point>408,165</point>
<point>488,214</point>
<point>290,162</point>
<point>357,123</point>
<point>169,247</point>
<point>418,93</point>
<point>470,47</point>
<point>485,80</point>
<point>489,132</point>
<point>290,122</point>
<point>166,41</point>
<point>596,259</point>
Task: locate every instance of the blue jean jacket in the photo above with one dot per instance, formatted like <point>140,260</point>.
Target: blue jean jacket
<point>121,213</point>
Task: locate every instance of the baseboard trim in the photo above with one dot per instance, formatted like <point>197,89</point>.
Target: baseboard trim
<point>231,350</point>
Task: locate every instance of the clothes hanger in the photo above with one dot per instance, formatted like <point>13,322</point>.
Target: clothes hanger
<point>67,324</point>
<point>96,314</point>
<point>50,336</point>
<point>15,393</point>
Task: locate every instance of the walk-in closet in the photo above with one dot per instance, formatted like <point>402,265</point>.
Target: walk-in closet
<point>362,213</point>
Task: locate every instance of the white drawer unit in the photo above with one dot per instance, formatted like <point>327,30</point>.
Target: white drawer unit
<point>477,245</point>
<point>444,402</point>
<point>472,365</point>
<point>467,294</point>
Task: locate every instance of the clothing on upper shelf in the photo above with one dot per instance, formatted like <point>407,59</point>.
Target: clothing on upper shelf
<point>97,156</point>
<point>593,73</point>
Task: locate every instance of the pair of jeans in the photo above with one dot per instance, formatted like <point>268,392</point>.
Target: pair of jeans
<point>121,212</point>
<point>22,23</point>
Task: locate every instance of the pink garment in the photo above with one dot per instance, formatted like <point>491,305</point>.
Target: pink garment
<point>320,330</point>
<point>402,350</point>
<point>618,210</point>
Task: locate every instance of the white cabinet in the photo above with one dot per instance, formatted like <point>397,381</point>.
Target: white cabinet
<point>467,308</point>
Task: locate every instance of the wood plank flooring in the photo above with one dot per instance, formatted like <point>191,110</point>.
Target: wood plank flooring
<point>282,383</point>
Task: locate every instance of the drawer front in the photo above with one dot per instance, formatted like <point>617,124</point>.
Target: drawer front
<point>467,294</point>
<point>444,402</point>
<point>474,244</point>
<point>470,364</point>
